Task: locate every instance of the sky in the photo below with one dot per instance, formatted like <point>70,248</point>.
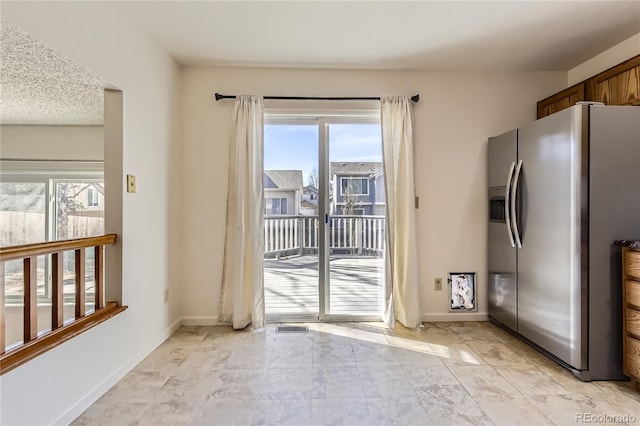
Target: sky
<point>289,147</point>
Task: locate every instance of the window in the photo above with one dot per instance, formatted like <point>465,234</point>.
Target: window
<point>92,197</point>
<point>355,186</point>
<point>44,205</point>
<point>275,206</point>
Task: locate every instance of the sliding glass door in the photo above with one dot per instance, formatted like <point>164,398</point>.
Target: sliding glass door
<point>324,218</point>
<point>291,222</point>
<point>355,244</point>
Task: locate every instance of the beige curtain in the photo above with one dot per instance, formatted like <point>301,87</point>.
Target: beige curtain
<point>401,294</point>
<point>242,295</point>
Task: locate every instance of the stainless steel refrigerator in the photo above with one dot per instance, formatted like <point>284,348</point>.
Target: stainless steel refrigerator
<point>561,190</point>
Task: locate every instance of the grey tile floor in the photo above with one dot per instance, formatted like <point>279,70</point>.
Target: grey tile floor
<point>356,374</point>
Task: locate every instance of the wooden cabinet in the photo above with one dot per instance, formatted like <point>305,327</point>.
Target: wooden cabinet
<point>631,313</point>
<point>561,100</point>
<point>619,85</point>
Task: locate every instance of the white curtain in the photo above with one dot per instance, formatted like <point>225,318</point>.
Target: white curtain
<point>401,295</point>
<point>242,295</point>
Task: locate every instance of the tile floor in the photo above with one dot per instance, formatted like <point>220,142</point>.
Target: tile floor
<point>356,374</point>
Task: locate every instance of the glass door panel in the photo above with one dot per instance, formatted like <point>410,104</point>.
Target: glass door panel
<point>291,223</point>
<point>357,220</point>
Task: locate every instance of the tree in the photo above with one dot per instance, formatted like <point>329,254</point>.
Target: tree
<point>66,203</point>
<point>313,178</point>
<point>351,202</point>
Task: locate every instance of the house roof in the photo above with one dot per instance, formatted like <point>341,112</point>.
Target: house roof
<point>356,168</point>
<point>310,188</point>
<point>285,178</point>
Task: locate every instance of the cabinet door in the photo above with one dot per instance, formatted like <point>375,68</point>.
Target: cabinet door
<point>619,85</point>
<point>561,100</point>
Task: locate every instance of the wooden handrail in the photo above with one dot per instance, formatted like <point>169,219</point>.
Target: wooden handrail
<point>32,343</point>
<point>38,249</point>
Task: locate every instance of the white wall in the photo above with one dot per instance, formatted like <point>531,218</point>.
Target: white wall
<point>51,142</point>
<point>59,385</point>
<point>605,60</point>
<point>456,114</point>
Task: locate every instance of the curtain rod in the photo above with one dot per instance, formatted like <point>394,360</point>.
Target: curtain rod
<point>414,98</point>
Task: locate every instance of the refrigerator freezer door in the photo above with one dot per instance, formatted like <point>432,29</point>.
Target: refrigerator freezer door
<point>614,214</point>
<point>502,254</point>
<point>550,313</point>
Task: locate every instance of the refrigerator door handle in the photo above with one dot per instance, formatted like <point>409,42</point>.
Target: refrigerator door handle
<point>512,200</point>
<point>507,207</point>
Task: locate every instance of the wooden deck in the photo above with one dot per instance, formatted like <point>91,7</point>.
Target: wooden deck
<point>291,285</point>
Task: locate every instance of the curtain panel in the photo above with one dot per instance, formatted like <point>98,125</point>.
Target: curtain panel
<point>242,294</point>
<point>401,288</point>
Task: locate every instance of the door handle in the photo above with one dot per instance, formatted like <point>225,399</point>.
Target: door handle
<point>507,205</point>
<point>512,198</point>
<point>326,218</point>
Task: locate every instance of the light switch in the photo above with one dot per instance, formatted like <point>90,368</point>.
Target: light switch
<point>131,183</point>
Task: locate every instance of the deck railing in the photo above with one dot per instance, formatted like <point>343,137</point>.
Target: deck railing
<point>34,343</point>
<point>356,235</point>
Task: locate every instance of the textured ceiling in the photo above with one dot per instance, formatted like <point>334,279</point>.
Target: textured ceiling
<point>38,85</point>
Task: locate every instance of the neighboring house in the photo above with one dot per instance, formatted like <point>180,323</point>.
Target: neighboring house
<point>310,194</point>
<point>92,197</point>
<point>357,188</point>
<point>309,204</point>
<point>282,192</point>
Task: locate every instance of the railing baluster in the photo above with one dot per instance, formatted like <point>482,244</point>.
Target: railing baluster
<point>300,235</point>
<point>3,339</point>
<point>98,265</point>
<point>332,240</point>
<point>278,234</point>
<point>374,241</point>
<point>80,285</point>
<point>271,235</point>
<point>30,311</point>
<point>295,233</point>
<point>286,235</point>
<point>57,284</point>
<point>315,232</point>
<point>265,247</point>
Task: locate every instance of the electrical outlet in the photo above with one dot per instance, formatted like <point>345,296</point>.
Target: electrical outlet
<point>438,284</point>
<point>131,183</point>
<point>166,295</point>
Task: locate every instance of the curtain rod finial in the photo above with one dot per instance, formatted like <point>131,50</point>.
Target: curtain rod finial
<point>415,98</point>
<point>218,96</point>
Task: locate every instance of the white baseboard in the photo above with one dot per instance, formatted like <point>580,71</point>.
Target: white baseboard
<point>72,413</point>
<point>455,317</point>
<point>201,320</point>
